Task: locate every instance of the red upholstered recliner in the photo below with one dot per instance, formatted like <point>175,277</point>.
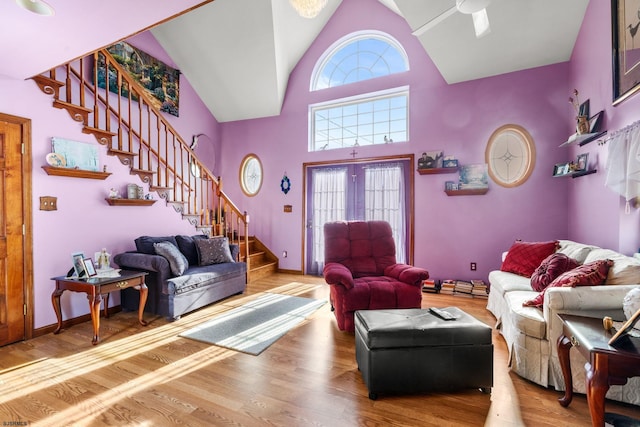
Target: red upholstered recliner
<point>360,265</point>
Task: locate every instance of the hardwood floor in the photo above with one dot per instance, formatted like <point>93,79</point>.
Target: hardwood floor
<point>148,376</point>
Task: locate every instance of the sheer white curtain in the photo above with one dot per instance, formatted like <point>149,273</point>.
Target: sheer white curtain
<point>329,204</point>
<point>623,163</point>
<point>385,200</point>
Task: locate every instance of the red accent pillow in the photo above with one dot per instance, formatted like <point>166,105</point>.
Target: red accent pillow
<point>591,274</point>
<point>524,257</point>
<point>550,268</point>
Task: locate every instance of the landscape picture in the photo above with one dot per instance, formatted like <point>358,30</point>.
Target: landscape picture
<point>161,82</point>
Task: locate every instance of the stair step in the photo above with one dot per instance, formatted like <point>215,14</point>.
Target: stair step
<point>104,137</point>
<point>262,270</point>
<point>125,157</point>
<point>48,85</point>
<point>145,175</point>
<point>77,113</point>
<point>163,192</point>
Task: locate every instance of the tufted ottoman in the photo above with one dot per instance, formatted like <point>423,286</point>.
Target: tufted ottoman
<point>411,350</point>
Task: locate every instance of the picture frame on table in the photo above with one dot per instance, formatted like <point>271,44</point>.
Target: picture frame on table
<point>561,169</point>
<point>78,264</point>
<point>582,162</point>
<point>626,58</point>
<point>625,329</point>
<point>88,267</point>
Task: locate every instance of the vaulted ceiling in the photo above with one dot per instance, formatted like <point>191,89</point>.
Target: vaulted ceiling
<point>238,54</point>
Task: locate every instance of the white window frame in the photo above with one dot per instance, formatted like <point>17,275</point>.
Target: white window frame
<point>354,100</point>
<point>346,40</point>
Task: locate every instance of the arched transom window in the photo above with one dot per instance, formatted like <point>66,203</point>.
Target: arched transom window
<point>357,57</point>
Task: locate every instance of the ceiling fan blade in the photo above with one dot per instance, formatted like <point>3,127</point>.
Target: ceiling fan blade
<point>481,23</point>
<point>435,21</point>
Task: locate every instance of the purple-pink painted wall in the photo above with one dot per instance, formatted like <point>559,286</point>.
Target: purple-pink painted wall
<point>84,221</point>
<point>450,232</point>
<point>597,214</point>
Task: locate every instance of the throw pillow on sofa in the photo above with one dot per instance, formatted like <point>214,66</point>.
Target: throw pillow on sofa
<point>550,268</point>
<point>177,261</point>
<point>524,257</point>
<point>187,246</point>
<point>214,250</point>
<point>591,274</point>
<point>144,244</point>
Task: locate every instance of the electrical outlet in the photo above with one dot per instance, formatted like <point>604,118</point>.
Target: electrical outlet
<point>473,266</point>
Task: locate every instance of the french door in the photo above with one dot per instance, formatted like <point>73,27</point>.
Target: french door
<point>357,191</point>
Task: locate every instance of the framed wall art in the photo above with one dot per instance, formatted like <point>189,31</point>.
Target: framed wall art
<point>625,21</point>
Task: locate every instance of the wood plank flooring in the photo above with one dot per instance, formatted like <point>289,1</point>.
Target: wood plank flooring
<point>148,376</point>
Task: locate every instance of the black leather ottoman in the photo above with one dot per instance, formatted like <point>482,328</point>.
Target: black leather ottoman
<point>411,350</point>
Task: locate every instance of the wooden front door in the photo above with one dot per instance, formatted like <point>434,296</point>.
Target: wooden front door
<point>13,292</point>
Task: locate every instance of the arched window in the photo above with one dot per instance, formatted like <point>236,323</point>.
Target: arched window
<point>357,57</point>
<point>380,117</point>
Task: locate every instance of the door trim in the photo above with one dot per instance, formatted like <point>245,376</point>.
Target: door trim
<point>27,218</point>
<point>411,195</point>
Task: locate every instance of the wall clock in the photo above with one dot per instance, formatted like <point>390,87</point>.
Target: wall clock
<point>250,175</point>
<point>510,155</point>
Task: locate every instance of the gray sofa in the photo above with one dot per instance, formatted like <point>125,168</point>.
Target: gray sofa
<point>172,295</point>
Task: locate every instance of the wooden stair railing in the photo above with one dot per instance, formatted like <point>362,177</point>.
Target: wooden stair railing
<point>99,93</point>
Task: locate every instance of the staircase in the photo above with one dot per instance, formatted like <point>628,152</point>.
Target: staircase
<point>114,108</point>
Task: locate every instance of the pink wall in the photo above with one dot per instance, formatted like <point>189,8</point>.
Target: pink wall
<point>84,221</point>
<point>451,232</point>
<point>596,214</point>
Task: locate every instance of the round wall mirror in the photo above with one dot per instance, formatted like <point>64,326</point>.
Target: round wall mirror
<point>510,155</point>
<point>250,175</point>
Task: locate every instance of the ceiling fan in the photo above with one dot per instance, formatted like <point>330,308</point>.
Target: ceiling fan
<point>475,8</point>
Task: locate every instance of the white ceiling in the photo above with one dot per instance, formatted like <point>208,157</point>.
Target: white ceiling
<point>238,54</point>
<point>251,53</point>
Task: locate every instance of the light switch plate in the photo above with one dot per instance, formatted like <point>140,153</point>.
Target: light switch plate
<point>48,203</point>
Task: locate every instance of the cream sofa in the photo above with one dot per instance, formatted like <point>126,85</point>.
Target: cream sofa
<point>531,333</point>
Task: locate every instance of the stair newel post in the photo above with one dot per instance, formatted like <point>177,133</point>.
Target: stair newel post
<point>246,243</point>
<point>219,207</point>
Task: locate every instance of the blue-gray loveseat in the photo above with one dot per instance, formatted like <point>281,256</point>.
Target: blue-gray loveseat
<point>203,279</point>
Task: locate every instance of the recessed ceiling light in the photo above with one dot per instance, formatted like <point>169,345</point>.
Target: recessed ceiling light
<point>36,6</point>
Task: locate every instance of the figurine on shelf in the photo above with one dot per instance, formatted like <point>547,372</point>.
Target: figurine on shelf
<point>114,194</point>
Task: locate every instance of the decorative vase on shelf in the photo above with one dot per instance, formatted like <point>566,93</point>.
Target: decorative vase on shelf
<point>583,125</point>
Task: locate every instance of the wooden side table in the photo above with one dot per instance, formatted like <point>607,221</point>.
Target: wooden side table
<point>607,365</point>
<point>95,287</point>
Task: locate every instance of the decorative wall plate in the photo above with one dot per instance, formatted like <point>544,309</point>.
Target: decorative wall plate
<point>510,155</point>
<point>56,160</point>
<point>285,184</point>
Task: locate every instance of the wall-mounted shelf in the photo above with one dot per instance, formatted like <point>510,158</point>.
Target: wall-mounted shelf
<point>577,174</point>
<point>582,139</point>
<point>75,173</point>
<point>129,202</point>
<point>467,192</point>
<point>431,171</point>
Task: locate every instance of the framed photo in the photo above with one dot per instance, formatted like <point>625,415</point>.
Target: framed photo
<point>561,169</point>
<point>626,60</point>
<point>88,267</point>
<point>431,159</point>
<point>78,264</point>
<point>582,162</point>
<point>625,329</point>
<point>595,121</point>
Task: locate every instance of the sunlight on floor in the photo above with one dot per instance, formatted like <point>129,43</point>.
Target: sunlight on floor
<point>20,381</point>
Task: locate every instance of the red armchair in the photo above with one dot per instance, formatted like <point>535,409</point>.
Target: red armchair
<point>360,265</point>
